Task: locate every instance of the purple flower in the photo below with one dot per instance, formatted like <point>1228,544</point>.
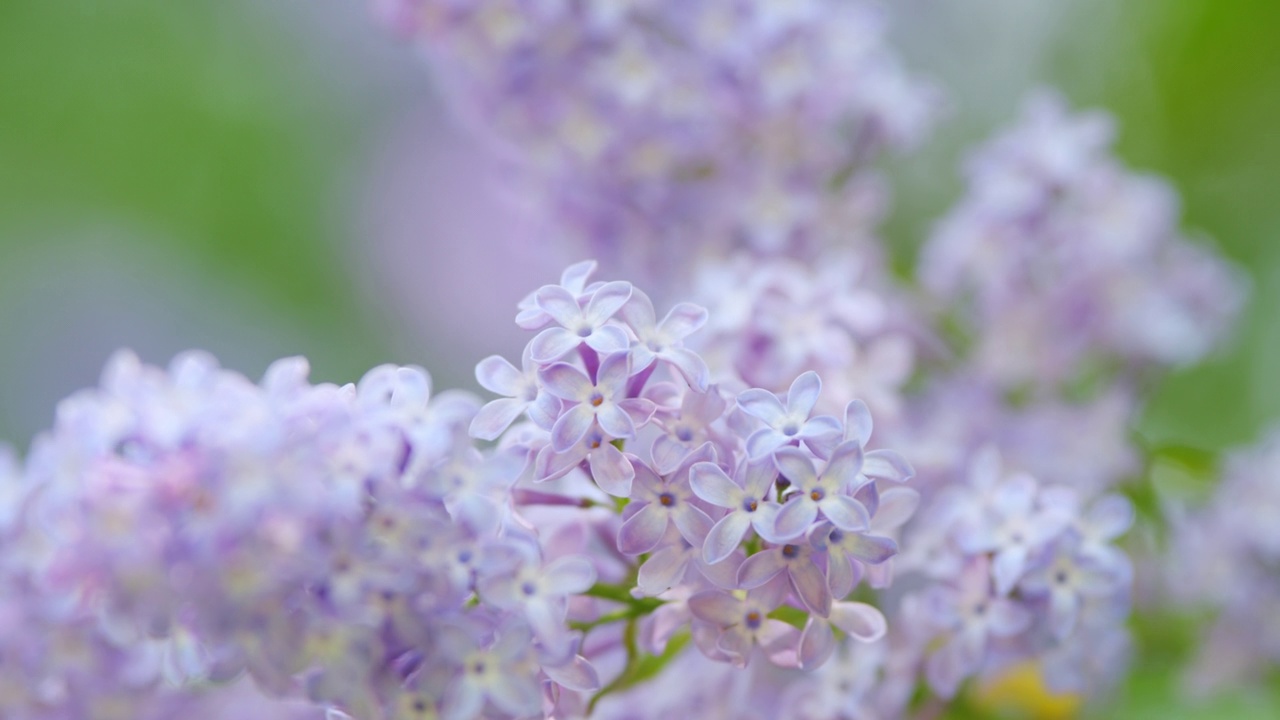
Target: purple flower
<point>573,280</point>
<point>801,569</point>
<point>789,424</point>
<point>860,621</point>
<point>743,621</point>
<point>609,467</point>
<point>810,492</point>
<point>662,341</point>
<point>538,593</point>
<point>579,325</point>
<point>688,429</point>
<point>660,501</point>
<point>604,401</point>
<point>745,496</point>
<point>522,394</point>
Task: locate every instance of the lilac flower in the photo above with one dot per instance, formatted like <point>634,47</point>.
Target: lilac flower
<point>661,341</point>
<point>669,563</point>
<point>801,569</point>
<point>522,394</point>
<point>846,551</point>
<point>876,464</point>
<point>539,594</point>
<point>746,498</point>
<point>1013,530</point>
<point>971,614</point>
<point>811,492</point>
<point>578,325</point>
<point>743,621</point>
<point>860,621</point>
<point>611,470</point>
<point>603,401</point>
<point>503,674</point>
<point>789,424</point>
<point>573,280</point>
<point>1068,580</point>
<point>660,501</point>
<point>687,430</point>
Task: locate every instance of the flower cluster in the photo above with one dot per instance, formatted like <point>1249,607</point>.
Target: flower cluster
<point>1065,260</point>
<point>653,126</point>
<point>1224,558</point>
<point>352,546</point>
<point>1020,571</point>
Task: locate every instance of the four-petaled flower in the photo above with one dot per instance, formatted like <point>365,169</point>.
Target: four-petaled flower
<point>789,424</point>
<point>579,325</point>
<point>604,401</point>
<point>746,498</point>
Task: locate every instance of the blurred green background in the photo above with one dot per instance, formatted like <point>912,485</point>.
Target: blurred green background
<point>189,174</point>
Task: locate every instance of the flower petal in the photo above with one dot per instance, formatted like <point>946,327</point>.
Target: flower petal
<point>575,674</point>
<point>794,518</point>
<point>1110,516</point>
<point>724,537</point>
<point>613,420</point>
<point>710,483</point>
<point>803,394</point>
<point>811,586</point>
<point>857,422</point>
<point>640,410</point>
<point>763,405</point>
<point>763,442</point>
<point>566,381</point>
<point>560,304</point>
<point>761,568</point>
<point>691,366</point>
<point>683,320</point>
<point>897,505</point>
<point>639,315</point>
<point>887,465</point>
<point>845,513</point>
<point>692,523</point>
<point>817,643</point>
<point>1009,565</point>
<point>795,465</point>
<point>608,340</point>
<point>871,549</point>
<point>569,575</point>
<point>716,607</point>
<point>496,374</point>
<point>495,417</point>
<point>862,621</point>
<point>662,570</point>
<point>643,531</point>
<point>571,427</point>
<point>840,576</point>
<point>611,470</point>
<point>606,301</point>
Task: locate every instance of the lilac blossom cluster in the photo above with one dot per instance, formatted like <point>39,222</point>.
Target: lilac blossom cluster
<point>1065,261</point>
<point>352,547</point>
<point>662,127</point>
<point>1224,558</point>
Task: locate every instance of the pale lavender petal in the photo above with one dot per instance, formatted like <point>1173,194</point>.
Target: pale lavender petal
<point>611,378</point>
<point>643,531</point>
<point>887,465</point>
<point>761,568</point>
<point>1110,516</point>
<point>811,587</point>
<point>613,420</point>
<point>571,427</point>
<point>606,301</point>
<point>716,607</point>
<point>647,479</point>
<point>822,427</point>
<point>984,468</point>
<point>724,537</point>
<point>735,643</point>
<point>944,670</point>
<point>576,674</point>
<point>1063,609</point>
<point>794,518</point>
<point>795,465</point>
<point>871,549</point>
<point>497,375</point>
<point>574,278</point>
<point>611,470</point>
<point>723,574</point>
<point>1014,496</point>
<point>897,505</point>
<point>764,441</point>
<point>1007,618</point>
<point>691,366</point>
<point>763,520</point>
<point>817,643</point>
<point>845,513</point>
<point>683,320</point>
<point>560,304</point>
<point>667,454</point>
<point>762,404</point>
<point>516,694</point>
<point>544,410</point>
<point>869,496</point>
<point>463,701</point>
<point>552,344</point>
<point>638,313</point>
<point>710,483</point>
<point>840,575</point>
<point>843,467</point>
<point>857,422</point>
<point>569,575</point>
<point>1007,568</point>
<point>546,619</point>
<point>803,394</point>
<point>662,570</point>
<point>495,417</point>
<point>759,476</point>
<point>641,357</point>
<point>862,621</point>
<point>704,407</point>
<point>566,381</point>
<point>692,523</point>
<point>608,340</point>
<point>640,410</point>
<point>550,465</point>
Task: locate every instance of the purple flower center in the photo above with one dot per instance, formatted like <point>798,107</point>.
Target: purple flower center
<point>684,434</point>
<point>667,499</point>
<point>790,429</point>
<point>585,332</point>
<point>754,619</point>
<point>750,505</point>
<point>528,589</point>
<point>816,494</point>
<point>596,399</point>
<point>790,551</point>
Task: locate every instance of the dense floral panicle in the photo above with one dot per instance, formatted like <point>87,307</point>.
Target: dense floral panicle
<point>1223,557</point>
<point>1066,258</point>
<point>1016,571</point>
<point>647,124</point>
<point>773,320</point>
